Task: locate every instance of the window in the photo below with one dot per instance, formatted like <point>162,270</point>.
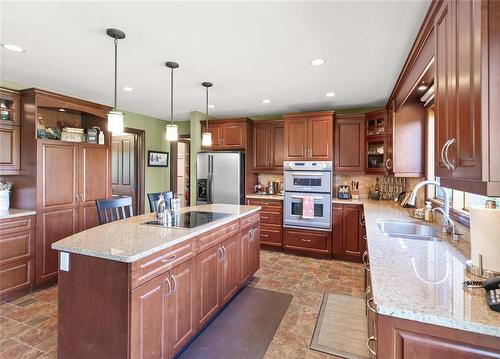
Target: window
<point>459,201</point>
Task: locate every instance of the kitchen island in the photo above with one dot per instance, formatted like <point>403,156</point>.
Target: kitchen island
<point>129,289</point>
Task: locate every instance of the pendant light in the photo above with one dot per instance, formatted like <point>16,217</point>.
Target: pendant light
<point>206,137</point>
<point>172,133</point>
<point>115,117</point>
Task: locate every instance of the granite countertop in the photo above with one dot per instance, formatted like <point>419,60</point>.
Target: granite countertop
<point>130,239</point>
<point>265,196</point>
<point>13,213</point>
<point>348,201</point>
<point>421,280</point>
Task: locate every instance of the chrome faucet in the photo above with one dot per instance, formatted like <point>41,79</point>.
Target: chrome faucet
<point>163,213</point>
<point>448,224</point>
<point>411,200</point>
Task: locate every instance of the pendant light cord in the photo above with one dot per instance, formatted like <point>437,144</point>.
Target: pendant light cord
<point>172,96</point>
<point>116,68</point>
<point>206,112</point>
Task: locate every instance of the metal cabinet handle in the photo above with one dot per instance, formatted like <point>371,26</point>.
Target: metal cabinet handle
<point>451,164</point>
<point>362,220</point>
<point>368,301</point>
<point>387,163</point>
<point>366,264</point>
<point>372,352</point>
<point>167,260</point>
<point>174,281</point>
<point>305,240</point>
<point>263,217</point>
<point>169,286</point>
<point>81,198</point>
<point>77,198</point>
<point>442,155</point>
<point>220,253</point>
<point>367,290</point>
<point>224,252</point>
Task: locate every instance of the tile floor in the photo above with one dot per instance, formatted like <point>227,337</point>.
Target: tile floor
<point>28,325</point>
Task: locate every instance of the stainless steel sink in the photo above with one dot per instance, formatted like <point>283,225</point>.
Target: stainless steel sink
<point>410,230</point>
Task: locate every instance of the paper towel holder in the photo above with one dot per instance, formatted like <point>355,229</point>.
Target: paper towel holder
<point>480,271</point>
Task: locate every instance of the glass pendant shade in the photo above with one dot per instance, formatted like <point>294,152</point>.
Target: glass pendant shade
<point>115,122</point>
<point>206,139</point>
<point>172,133</point>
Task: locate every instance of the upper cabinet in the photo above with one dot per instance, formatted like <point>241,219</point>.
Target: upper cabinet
<point>350,143</point>
<point>467,141</point>
<point>309,136</point>
<point>268,146</point>
<point>228,134</point>
<point>376,146</point>
<point>10,145</point>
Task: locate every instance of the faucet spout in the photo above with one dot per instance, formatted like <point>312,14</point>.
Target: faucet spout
<point>411,198</point>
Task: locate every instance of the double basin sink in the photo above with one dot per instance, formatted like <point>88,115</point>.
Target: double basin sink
<point>406,229</point>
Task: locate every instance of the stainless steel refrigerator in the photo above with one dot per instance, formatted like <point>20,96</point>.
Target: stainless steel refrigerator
<point>220,177</point>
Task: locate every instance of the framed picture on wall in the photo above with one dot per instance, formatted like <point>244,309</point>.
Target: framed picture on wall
<point>157,159</point>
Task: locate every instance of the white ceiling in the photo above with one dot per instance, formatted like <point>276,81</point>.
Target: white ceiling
<point>249,50</point>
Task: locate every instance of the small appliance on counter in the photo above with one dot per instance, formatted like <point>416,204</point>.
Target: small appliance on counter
<point>344,192</point>
<point>355,190</point>
<point>273,187</point>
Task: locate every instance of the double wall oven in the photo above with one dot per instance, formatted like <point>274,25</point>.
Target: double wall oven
<point>311,180</point>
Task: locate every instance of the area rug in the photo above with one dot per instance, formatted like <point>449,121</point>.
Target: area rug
<point>341,328</point>
<point>244,329</point>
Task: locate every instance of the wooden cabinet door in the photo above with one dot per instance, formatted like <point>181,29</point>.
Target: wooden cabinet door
<point>244,271</point>
<point>353,243</point>
<point>216,131</point>
<point>230,268</point>
<point>94,181</point>
<point>254,251</point>
<point>208,279</point>
<point>277,139</point>
<point>465,152</point>
<point>57,179</point>
<point>296,139</point>
<point>234,135</point>
<point>445,98</point>
<point>181,306</point>
<point>349,143</point>
<point>320,138</point>
<point>10,149</point>
<point>337,232</point>
<point>261,147</point>
<point>148,320</point>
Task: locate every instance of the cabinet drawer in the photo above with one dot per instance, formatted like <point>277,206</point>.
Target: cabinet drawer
<point>272,205</point>
<point>312,241</point>
<point>11,225</point>
<point>16,246</point>
<point>271,235</point>
<point>152,266</point>
<point>271,217</point>
<point>16,276</point>
<point>249,220</point>
<point>211,238</point>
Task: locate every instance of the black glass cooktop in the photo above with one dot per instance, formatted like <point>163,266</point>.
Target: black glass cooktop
<point>191,219</point>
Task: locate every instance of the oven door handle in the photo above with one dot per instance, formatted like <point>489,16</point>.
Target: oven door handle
<point>302,197</point>
<point>308,174</point>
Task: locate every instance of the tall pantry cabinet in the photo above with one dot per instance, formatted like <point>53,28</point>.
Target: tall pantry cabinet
<point>60,180</point>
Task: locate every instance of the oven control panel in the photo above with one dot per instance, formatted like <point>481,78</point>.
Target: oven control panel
<point>308,165</point>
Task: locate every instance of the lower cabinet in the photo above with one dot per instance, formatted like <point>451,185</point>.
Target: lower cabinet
<point>230,268</point>
<point>271,221</point>
<point>249,253</point>
<point>349,241</point>
<point>208,275</point>
<point>17,255</point>
<point>306,240</point>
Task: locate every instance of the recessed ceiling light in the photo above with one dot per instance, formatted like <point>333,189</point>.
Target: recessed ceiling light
<point>211,106</point>
<point>330,94</point>
<point>317,62</point>
<point>13,48</point>
<point>266,100</point>
<point>128,88</point>
<point>422,87</point>
<point>62,110</point>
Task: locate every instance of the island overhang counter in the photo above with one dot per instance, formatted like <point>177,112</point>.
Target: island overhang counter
<point>132,290</point>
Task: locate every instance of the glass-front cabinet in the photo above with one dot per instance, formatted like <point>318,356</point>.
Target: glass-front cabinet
<point>9,132</point>
<point>376,142</point>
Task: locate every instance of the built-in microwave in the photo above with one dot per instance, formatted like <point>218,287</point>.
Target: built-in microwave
<point>308,176</point>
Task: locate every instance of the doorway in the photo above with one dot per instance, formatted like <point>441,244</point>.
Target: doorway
<point>127,166</point>
<point>180,172</point>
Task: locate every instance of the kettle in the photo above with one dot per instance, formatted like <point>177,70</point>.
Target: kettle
<point>273,187</point>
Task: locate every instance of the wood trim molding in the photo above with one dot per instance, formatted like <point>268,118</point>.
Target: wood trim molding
<point>423,34</point>
<point>305,114</point>
<point>141,167</point>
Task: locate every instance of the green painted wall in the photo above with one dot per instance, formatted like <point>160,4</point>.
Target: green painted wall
<point>156,178</point>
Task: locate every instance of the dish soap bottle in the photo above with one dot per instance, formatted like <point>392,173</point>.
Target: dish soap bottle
<point>428,212</point>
